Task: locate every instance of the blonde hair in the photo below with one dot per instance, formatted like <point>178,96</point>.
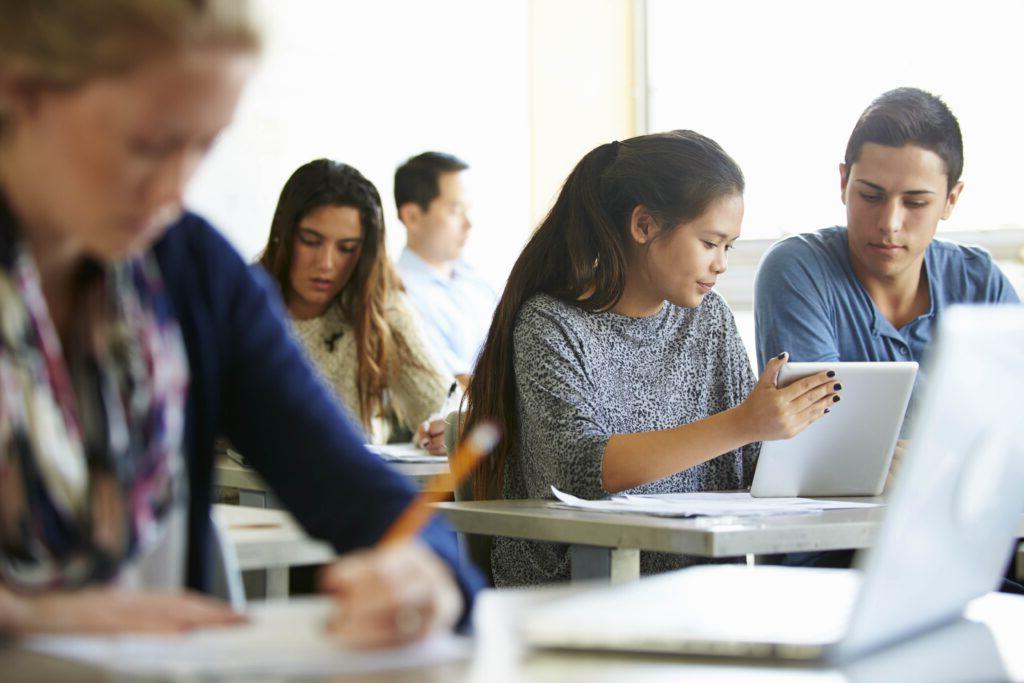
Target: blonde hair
<point>64,43</point>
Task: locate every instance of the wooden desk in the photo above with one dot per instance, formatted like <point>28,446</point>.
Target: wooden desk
<point>608,545</point>
<point>270,540</point>
<point>253,491</point>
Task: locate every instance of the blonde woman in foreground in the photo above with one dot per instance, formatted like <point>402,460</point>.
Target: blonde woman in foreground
<point>132,335</point>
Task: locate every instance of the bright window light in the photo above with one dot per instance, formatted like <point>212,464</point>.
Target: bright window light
<point>371,84</point>
<point>780,85</point>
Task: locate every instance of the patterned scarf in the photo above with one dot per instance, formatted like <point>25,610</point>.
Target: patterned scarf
<point>90,435</point>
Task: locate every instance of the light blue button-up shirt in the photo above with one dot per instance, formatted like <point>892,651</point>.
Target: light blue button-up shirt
<point>455,312</point>
<point>808,302</point>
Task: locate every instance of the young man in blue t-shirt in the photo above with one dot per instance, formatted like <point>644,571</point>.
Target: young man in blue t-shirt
<point>872,291</point>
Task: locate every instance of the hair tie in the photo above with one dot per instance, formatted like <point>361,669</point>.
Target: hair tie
<point>611,153</point>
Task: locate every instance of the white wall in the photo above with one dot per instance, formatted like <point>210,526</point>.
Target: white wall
<point>371,84</point>
<point>582,85</point>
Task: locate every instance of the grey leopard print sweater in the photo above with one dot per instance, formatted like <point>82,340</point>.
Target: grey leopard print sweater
<point>582,377</point>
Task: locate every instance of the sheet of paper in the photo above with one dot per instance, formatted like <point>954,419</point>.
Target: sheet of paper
<point>732,504</point>
<point>281,639</point>
<point>404,452</point>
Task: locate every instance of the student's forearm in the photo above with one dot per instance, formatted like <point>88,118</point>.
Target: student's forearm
<point>12,612</point>
<point>634,459</point>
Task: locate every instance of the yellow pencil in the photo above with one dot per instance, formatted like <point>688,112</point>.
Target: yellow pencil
<point>461,464</point>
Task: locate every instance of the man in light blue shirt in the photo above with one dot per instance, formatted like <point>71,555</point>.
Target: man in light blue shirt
<point>873,290</point>
<point>454,303</point>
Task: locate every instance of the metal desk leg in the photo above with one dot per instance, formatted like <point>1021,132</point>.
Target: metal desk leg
<point>252,499</point>
<point>277,582</point>
<point>594,562</point>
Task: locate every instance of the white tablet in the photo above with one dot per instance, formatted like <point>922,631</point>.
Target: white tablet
<point>848,451</point>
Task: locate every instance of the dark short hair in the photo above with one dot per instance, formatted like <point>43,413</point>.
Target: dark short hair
<point>910,116</point>
<point>417,179</point>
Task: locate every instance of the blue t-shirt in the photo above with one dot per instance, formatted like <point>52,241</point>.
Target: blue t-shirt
<point>455,312</point>
<point>808,302</point>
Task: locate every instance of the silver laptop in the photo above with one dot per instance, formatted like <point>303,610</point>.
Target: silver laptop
<point>848,451</point>
<point>948,531</point>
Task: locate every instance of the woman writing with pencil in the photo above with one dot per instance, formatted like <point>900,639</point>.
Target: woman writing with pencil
<point>131,335</point>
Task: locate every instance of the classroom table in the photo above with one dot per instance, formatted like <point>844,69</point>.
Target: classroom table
<point>254,492</point>
<point>984,646</point>
<point>602,545</point>
<point>270,540</point>
<point>607,545</point>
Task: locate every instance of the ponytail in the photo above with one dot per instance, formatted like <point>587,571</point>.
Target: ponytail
<point>580,252</point>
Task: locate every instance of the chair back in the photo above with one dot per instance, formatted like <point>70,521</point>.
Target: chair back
<point>477,547</point>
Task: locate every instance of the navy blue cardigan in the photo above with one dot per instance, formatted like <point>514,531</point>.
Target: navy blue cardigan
<point>250,382</point>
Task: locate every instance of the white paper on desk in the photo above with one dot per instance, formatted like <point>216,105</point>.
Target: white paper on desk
<point>281,639</point>
<point>705,503</point>
<point>404,452</point>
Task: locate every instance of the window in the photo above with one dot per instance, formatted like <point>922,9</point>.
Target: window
<point>780,85</point>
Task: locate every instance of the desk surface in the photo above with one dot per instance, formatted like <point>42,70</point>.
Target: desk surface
<point>952,654</point>
<point>705,537</point>
<point>233,475</point>
<point>539,520</point>
<point>269,538</point>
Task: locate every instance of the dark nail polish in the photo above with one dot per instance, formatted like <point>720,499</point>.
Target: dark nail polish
<point>826,410</point>
<point>838,387</point>
<point>781,355</point>
<point>835,399</point>
<point>831,373</point>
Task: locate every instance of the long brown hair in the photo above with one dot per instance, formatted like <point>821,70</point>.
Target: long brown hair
<point>580,252</point>
<point>371,287</point>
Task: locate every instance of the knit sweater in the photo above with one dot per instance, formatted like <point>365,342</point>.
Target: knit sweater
<point>412,393</point>
<point>582,377</point>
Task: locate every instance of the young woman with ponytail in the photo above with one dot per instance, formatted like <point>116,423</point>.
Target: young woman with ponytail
<point>327,253</point>
<point>611,363</point>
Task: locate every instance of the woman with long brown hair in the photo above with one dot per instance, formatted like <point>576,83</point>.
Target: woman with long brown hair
<point>611,364</point>
<point>327,253</point>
